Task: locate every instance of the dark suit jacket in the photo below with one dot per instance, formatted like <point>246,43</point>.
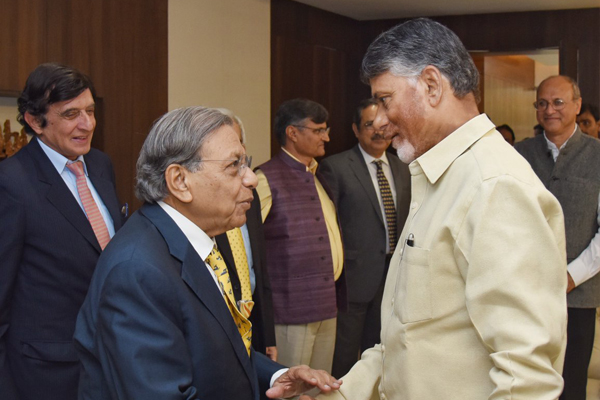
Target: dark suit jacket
<point>48,252</point>
<point>154,324</point>
<point>263,328</point>
<point>361,220</point>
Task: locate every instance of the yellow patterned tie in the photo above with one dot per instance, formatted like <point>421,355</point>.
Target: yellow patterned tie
<point>236,241</point>
<point>388,204</point>
<point>216,262</point>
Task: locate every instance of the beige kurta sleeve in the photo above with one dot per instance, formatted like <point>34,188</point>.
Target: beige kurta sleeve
<point>362,382</point>
<point>511,252</point>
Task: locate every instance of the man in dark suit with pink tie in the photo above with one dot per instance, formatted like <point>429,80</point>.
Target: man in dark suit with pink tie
<point>58,210</point>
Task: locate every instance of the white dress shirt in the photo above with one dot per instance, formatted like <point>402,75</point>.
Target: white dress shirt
<point>587,264</point>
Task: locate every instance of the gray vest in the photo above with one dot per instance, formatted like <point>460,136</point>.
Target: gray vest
<point>575,181</point>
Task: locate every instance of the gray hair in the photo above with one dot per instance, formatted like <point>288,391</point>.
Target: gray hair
<point>236,119</point>
<point>175,138</point>
<point>406,49</point>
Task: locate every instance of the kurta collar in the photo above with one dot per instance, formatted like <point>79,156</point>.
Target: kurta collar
<point>439,158</point>
<point>312,168</point>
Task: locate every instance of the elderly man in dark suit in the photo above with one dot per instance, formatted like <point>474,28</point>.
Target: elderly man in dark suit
<point>58,209</point>
<point>371,190</point>
<point>160,320</point>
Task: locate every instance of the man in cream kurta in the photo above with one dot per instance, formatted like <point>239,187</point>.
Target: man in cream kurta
<point>474,305</point>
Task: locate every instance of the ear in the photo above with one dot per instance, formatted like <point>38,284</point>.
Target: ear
<point>433,81</point>
<point>578,103</point>
<point>176,178</point>
<point>355,129</point>
<point>34,122</point>
<point>290,133</point>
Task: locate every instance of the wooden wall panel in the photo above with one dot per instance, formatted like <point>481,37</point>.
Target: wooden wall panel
<point>22,43</point>
<point>121,44</point>
<point>316,55</point>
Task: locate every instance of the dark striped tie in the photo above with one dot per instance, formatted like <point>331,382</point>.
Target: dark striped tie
<point>388,205</point>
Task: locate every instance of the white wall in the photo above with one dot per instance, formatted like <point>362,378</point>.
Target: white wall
<point>219,56</point>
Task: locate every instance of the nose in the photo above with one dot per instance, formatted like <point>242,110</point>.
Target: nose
<point>381,121</point>
<point>325,136</point>
<point>87,121</point>
<point>249,179</point>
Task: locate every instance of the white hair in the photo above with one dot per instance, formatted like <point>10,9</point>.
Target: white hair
<point>235,119</point>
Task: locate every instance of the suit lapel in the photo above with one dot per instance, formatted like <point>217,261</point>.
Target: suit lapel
<point>59,195</point>
<point>359,167</point>
<point>195,274</point>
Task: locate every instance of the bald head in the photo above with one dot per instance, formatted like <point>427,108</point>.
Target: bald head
<point>557,105</point>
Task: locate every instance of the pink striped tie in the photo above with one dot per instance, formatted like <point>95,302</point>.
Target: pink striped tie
<point>89,205</point>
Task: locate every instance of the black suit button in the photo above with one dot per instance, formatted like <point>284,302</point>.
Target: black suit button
<point>320,238</point>
<point>318,219</point>
<point>323,258</point>
<point>312,197</point>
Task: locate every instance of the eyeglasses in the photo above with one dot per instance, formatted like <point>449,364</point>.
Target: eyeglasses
<point>241,164</point>
<point>316,131</point>
<point>542,105</point>
<point>368,126</point>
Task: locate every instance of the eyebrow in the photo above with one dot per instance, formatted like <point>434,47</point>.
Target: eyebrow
<point>92,105</point>
<point>234,156</point>
<point>378,95</point>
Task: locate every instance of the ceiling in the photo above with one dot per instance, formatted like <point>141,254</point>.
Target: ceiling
<point>390,9</point>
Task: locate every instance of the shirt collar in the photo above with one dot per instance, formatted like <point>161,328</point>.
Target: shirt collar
<point>312,168</point>
<point>552,147</point>
<point>199,240</point>
<point>439,158</point>
<point>369,158</point>
<point>58,160</point>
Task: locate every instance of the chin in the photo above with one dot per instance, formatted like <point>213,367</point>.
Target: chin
<point>406,151</point>
<point>237,221</point>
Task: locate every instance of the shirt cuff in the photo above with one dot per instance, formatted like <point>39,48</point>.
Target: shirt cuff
<point>578,271</point>
<point>277,375</point>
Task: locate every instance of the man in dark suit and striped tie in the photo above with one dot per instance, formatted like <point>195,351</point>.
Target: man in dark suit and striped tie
<point>371,190</point>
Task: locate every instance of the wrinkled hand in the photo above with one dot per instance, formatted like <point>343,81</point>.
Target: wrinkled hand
<point>571,283</point>
<point>271,352</point>
<point>298,380</point>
